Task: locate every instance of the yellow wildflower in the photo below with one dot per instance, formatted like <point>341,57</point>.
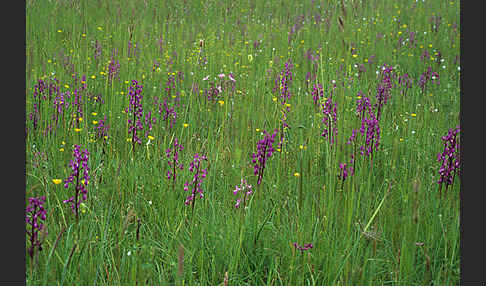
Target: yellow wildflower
<point>83,207</point>
<point>56,181</point>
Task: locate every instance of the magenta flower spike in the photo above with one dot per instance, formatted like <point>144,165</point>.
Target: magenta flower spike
<point>304,247</point>
<point>283,81</point>
<point>383,91</point>
<point>344,171</point>
<point>370,127</point>
<point>135,106</point>
<point>264,151</point>
<point>80,177</point>
<point>35,214</point>
<point>113,69</point>
<point>245,190</point>
<point>449,158</point>
<point>173,160</point>
<point>101,129</point>
<point>199,175</point>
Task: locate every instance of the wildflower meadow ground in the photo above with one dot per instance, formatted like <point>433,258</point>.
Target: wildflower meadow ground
<point>242,143</point>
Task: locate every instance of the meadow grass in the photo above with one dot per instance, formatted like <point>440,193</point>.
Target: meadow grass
<point>386,223</point>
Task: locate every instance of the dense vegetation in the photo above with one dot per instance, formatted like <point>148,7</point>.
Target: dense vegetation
<point>242,142</point>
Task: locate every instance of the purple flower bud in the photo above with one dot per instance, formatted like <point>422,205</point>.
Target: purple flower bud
<point>303,248</point>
